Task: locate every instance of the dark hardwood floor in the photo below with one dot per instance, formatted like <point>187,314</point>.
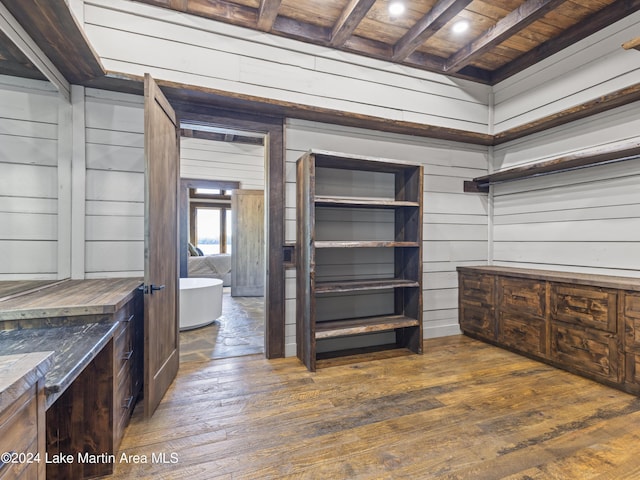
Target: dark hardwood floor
<point>462,410</point>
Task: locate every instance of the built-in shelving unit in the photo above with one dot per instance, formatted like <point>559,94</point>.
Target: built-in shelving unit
<point>359,245</point>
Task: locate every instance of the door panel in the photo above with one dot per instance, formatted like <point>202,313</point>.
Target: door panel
<point>247,257</point>
<point>161,309</point>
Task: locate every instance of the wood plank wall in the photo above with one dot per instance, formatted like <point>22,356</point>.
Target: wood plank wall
<point>455,223</point>
<point>135,38</point>
<point>225,161</point>
<point>582,72</point>
<point>585,220</point>
<point>114,184</point>
<point>28,179</point>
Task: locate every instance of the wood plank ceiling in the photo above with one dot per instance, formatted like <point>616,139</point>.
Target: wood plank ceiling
<point>503,36</point>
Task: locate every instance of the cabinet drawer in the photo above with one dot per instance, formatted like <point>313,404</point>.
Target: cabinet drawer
<point>588,306</point>
<point>477,320</point>
<point>632,373</point>
<point>526,334</point>
<point>476,289</point>
<point>590,351</point>
<point>123,349</point>
<point>521,296</point>
<point>632,322</point>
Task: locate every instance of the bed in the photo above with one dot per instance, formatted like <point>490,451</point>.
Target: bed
<point>211,266</point>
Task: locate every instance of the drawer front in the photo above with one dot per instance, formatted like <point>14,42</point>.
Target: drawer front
<point>519,295</point>
<point>632,372</point>
<point>123,349</point>
<point>588,306</point>
<point>632,322</point>
<point>526,334</point>
<point>124,403</point>
<point>477,320</point>
<point>476,289</point>
<point>590,351</point>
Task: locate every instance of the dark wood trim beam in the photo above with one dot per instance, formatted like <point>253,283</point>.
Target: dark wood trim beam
<point>441,13</point>
<point>351,16</point>
<point>587,158</point>
<point>524,15</point>
<point>220,137</point>
<point>590,25</point>
<point>601,104</point>
<point>55,30</point>
<point>267,14</point>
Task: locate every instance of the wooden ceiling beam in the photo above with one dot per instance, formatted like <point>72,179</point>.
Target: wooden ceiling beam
<point>349,20</point>
<point>523,16</point>
<point>441,13</point>
<point>267,14</point>
<point>590,25</point>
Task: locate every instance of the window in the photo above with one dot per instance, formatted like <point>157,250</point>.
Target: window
<point>210,220</point>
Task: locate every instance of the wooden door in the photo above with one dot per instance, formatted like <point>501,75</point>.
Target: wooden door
<point>247,240</point>
<point>161,308</point>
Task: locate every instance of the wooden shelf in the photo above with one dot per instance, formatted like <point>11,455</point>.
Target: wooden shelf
<point>363,244</point>
<point>587,158</point>
<point>358,285</point>
<point>365,202</point>
<point>383,275</point>
<point>355,326</point>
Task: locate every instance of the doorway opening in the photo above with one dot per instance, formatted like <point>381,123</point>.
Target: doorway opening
<point>223,185</point>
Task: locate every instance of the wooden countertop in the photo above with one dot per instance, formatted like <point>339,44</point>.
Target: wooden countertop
<point>19,372</point>
<point>606,281</point>
<point>67,298</point>
<point>73,347</point>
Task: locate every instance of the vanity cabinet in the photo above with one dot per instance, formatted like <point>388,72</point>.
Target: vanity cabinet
<point>586,324</point>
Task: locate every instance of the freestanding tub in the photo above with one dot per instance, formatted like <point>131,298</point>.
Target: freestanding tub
<point>200,301</point>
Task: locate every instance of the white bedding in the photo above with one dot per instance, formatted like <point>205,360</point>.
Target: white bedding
<point>211,266</point>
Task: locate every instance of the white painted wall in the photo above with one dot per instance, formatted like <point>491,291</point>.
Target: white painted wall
<point>28,179</point>
<point>585,71</point>
<point>224,161</point>
<point>114,184</point>
<point>586,220</point>
<point>455,223</point>
<point>135,38</point>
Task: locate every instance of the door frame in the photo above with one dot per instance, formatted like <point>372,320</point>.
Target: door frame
<point>273,130</point>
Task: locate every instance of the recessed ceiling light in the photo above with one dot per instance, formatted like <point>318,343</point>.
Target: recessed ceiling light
<point>461,26</point>
<point>396,8</point>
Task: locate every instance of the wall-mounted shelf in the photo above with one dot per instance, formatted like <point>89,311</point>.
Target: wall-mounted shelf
<point>587,158</point>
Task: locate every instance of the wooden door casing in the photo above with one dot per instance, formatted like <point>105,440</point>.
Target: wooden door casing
<point>161,307</point>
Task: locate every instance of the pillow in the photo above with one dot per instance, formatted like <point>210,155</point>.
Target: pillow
<point>193,252</point>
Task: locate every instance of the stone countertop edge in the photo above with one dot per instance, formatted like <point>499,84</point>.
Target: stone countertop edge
<point>74,347</point>
<point>19,372</point>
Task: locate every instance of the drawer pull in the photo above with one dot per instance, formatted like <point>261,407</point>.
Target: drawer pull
<point>127,355</point>
<point>130,318</point>
<point>128,402</point>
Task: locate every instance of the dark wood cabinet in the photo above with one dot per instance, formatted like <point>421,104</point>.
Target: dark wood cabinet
<point>586,324</point>
<point>359,246</point>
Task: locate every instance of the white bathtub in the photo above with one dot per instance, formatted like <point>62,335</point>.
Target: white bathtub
<point>200,301</point>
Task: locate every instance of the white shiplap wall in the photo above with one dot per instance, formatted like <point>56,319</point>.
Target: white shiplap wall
<point>455,223</point>
<point>135,38</point>
<point>583,72</point>
<point>586,220</point>
<point>28,179</point>
<point>114,244</point>
<point>224,161</point>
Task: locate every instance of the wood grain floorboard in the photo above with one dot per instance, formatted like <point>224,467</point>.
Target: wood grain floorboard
<point>462,410</point>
